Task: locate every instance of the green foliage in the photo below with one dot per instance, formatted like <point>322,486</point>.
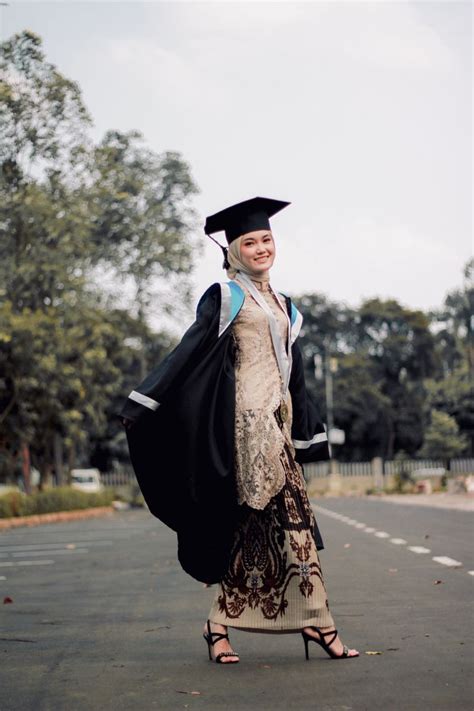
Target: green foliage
<point>442,438</point>
<point>70,212</point>
<point>394,366</point>
<point>42,114</point>
<point>51,500</point>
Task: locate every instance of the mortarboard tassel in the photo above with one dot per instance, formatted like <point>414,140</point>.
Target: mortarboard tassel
<point>225,263</point>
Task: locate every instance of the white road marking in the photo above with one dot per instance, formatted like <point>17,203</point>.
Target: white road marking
<point>10,564</point>
<point>36,546</point>
<point>444,560</point>
<point>3,577</point>
<point>58,552</point>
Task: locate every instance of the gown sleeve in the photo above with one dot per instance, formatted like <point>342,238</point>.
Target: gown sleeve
<point>308,432</point>
<point>159,384</point>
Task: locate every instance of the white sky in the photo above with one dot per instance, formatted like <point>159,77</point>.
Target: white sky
<point>359,113</point>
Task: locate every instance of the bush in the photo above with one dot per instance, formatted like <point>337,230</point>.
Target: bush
<point>61,498</point>
<point>5,508</point>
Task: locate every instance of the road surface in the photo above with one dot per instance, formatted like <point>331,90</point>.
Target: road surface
<point>102,618</point>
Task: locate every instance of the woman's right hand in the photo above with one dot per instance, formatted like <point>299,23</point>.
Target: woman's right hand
<point>127,423</point>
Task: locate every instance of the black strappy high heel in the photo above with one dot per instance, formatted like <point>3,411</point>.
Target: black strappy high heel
<point>213,637</point>
<point>326,645</point>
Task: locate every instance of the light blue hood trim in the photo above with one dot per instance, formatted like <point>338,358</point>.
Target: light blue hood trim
<point>296,320</point>
<point>232,299</point>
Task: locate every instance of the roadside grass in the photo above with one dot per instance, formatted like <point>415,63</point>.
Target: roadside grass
<point>61,498</point>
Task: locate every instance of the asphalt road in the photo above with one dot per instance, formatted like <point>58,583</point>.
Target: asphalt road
<point>103,618</point>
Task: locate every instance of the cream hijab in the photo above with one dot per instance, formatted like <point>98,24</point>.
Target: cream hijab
<point>236,264</point>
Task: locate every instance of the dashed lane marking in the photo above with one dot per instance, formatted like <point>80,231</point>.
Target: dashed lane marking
<point>35,546</point>
<point>445,560</point>
<point>11,564</point>
<point>58,552</point>
<point>442,559</point>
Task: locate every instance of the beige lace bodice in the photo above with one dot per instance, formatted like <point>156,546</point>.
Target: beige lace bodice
<point>259,440</point>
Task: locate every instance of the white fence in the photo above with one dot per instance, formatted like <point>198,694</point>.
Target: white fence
<point>462,466</point>
<point>120,477</point>
<point>398,466</point>
<point>319,470</point>
<point>390,467</point>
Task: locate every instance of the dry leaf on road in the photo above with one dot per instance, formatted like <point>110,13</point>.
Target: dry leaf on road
<point>193,693</point>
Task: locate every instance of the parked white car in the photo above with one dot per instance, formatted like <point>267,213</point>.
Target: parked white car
<point>86,480</point>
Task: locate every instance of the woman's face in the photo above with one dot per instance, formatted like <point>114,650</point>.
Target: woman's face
<point>257,250</point>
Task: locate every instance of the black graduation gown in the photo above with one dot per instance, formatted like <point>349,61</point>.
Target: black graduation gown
<point>182,441</point>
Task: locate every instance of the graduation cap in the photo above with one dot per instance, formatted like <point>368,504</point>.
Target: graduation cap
<point>243,217</point>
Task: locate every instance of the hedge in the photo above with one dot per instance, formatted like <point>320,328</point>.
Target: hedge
<point>61,498</point>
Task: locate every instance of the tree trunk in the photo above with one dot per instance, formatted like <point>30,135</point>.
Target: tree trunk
<point>26,466</point>
<point>46,476</point>
<point>58,458</point>
<point>71,461</point>
<point>390,439</point>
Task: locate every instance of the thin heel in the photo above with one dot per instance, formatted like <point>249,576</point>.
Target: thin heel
<point>208,647</point>
<point>305,640</point>
<point>213,637</point>
<point>326,645</point>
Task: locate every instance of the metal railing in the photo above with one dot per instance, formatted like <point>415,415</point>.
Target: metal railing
<point>123,477</point>
<point>390,467</point>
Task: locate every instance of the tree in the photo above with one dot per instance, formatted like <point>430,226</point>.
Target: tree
<point>454,323</point>
<point>142,218</point>
<point>454,395</point>
<point>44,120</point>
<point>442,438</point>
<point>68,211</point>
<point>384,351</point>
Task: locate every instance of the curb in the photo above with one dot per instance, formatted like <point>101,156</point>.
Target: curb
<point>55,516</point>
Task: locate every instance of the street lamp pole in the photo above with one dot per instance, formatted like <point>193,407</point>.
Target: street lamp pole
<point>329,387</point>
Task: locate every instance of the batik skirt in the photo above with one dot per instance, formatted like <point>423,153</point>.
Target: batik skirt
<point>274,582</point>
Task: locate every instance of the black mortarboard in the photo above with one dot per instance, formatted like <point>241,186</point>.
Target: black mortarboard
<point>244,217</point>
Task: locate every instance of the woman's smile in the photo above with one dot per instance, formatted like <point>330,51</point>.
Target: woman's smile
<point>257,250</point>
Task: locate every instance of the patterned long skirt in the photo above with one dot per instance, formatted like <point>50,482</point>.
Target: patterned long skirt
<point>274,582</point>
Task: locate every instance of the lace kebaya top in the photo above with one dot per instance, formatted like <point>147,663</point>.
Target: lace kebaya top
<point>259,440</point>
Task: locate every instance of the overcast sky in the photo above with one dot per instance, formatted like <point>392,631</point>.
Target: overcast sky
<point>359,113</point>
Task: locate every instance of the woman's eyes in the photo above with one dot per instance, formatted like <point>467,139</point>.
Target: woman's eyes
<point>251,244</point>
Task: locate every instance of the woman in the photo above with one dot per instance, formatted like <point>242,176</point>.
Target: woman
<point>217,434</point>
